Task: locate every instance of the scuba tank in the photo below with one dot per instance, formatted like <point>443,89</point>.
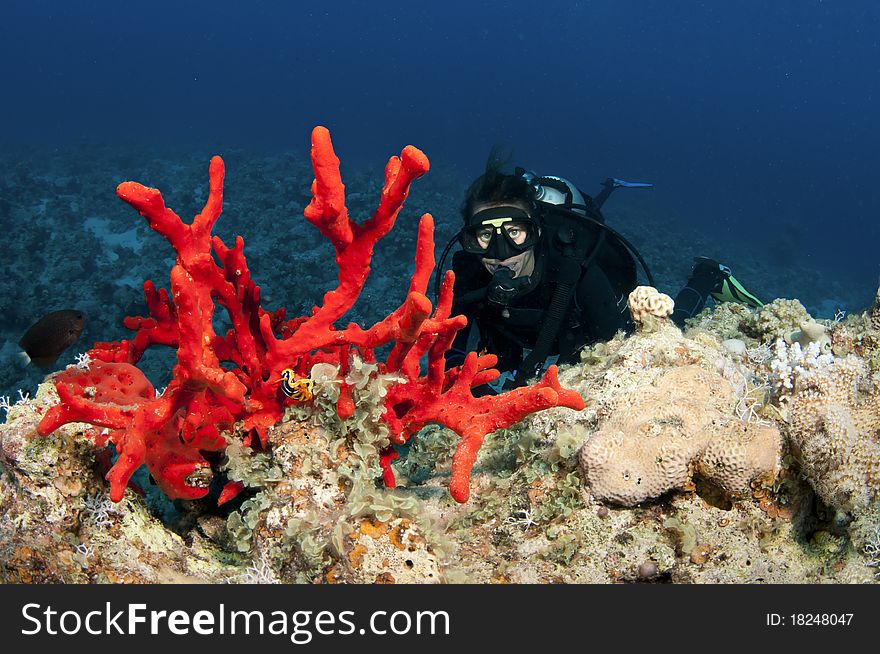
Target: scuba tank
<point>555,190</point>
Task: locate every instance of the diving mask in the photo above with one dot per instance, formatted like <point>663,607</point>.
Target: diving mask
<point>499,233</point>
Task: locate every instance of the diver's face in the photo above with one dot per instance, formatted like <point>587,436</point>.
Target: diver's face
<point>517,232</point>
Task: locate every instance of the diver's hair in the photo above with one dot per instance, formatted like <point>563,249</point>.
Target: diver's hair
<point>495,186</point>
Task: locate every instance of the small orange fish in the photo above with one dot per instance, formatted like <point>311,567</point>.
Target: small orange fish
<point>47,338</point>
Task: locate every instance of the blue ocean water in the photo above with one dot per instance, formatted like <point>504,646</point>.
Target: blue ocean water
<point>756,121</point>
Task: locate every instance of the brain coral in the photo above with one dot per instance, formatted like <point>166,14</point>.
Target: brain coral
<point>654,439</point>
<point>648,301</point>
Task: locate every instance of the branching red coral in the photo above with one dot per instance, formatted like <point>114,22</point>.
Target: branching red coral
<point>169,433</point>
<point>159,432</point>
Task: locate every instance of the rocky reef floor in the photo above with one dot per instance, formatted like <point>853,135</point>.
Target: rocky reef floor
<point>543,508</point>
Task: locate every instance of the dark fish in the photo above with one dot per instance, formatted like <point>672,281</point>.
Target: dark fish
<point>47,338</point>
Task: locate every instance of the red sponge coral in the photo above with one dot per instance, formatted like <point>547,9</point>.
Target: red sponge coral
<point>219,380</point>
<point>145,429</point>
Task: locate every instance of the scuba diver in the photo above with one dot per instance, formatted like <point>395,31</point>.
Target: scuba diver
<point>540,274</point>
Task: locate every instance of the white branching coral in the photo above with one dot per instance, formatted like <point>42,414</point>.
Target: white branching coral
<point>797,367</point>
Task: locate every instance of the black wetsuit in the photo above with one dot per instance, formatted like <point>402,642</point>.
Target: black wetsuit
<point>600,270</point>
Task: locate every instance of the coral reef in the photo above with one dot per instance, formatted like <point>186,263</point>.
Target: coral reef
<point>310,510</point>
<point>290,494</point>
